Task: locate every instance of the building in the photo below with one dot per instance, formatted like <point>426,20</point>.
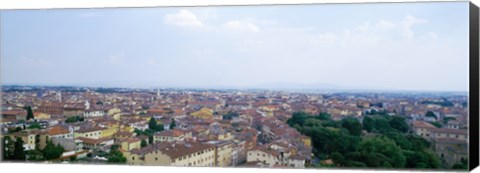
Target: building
<point>55,109</point>
<point>203,113</point>
<point>223,153</point>
<point>173,154</point>
<point>451,151</point>
<point>94,113</point>
<point>92,133</point>
<point>449,133</point>
<point>171,135</point>
<point>422,128</point>
<point>129,143</point>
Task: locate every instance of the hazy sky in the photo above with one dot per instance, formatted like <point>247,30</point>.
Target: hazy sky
<point>405,46</point>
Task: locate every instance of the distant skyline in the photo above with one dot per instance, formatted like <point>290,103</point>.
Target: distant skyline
<point>384,46</point>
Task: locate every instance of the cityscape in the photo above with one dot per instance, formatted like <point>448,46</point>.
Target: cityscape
<point>267,86</point>
<point>239,128</point>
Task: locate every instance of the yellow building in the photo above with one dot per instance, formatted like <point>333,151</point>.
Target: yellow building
<point>173,154</point>
<point>41,116</point>
<point>109,131</point>
<point>92,133</point>
<point>223,152</point>
<point>27,137</point>
<point>130,144</point>
<point>306,140</point>
<point>169,136</point>
<point>113,111</point>
<point>204,113</point>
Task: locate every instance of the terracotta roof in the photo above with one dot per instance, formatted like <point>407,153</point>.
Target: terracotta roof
<point>57,130</point>
<point>86,130</point>
<point>93,141</point>
<point>180,150</point>
<point>14,112</point>
<point>448,130</point>
<point>171,133</point>
<point>422,124</point>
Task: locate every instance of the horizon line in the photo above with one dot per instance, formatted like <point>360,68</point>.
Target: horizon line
<point>237,88</point>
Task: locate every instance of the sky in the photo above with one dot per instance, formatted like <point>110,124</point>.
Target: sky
<point>393,46</point>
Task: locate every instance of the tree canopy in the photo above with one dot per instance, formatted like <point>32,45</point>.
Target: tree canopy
<point>152,124</point>
<point>115,156</point>
<point>389,145</point>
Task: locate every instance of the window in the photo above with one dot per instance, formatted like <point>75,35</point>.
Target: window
<point>156,159</point>
<point>133,158</point>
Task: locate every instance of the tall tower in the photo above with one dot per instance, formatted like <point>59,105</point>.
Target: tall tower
<point>59,96</point>
<point>158,93</point>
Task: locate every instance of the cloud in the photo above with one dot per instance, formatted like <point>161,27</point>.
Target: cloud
<point>408,23</point>
<point>378,33</point>
<point>327,37</point>
<point>183,18</point>
<point>236,25</point>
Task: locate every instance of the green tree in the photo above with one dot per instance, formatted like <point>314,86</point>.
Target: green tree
<point>430,114</point>
<point>421,159</point>
<point>311,122</point>
<point>19,151</point>
<point>338,158</point>
<point>399,123</point>
<point>34,155</point>
<point>323,116</point>
<point>29,113</point>
<point>381,152</point>
<point>52,151</point>
<point>298,118</point>
<point>152,124</point>
<point>352,125</point>
<point>462,165</point>
<point>35,126</point>
<point>7,148</point>
<point>368,124</point>
<point>143,143</point>
<point>381,124</point>
<point>115,156</point>
<point>172,124</point>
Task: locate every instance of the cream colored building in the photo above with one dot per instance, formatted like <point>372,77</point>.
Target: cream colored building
<point>223,153</point>
<point>264,156</point>
<point>171,136</point>
<point>173,154</point>
<point>422,128</point>
<point>130,144</point>
<point>93,133</point>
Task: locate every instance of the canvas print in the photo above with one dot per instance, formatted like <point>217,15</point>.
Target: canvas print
<point>371,86</point>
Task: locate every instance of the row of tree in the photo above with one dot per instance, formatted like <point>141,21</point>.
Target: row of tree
<point>14,150</point>
<point>384,144</point>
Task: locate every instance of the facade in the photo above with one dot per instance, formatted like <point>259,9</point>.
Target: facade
<point>93,133</point>
<point>171,136</point>
<point>223,152</point>
<point>173,154</point>
<point>451,151</point>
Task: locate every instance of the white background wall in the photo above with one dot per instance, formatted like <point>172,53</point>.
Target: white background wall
<point>51,168</point>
